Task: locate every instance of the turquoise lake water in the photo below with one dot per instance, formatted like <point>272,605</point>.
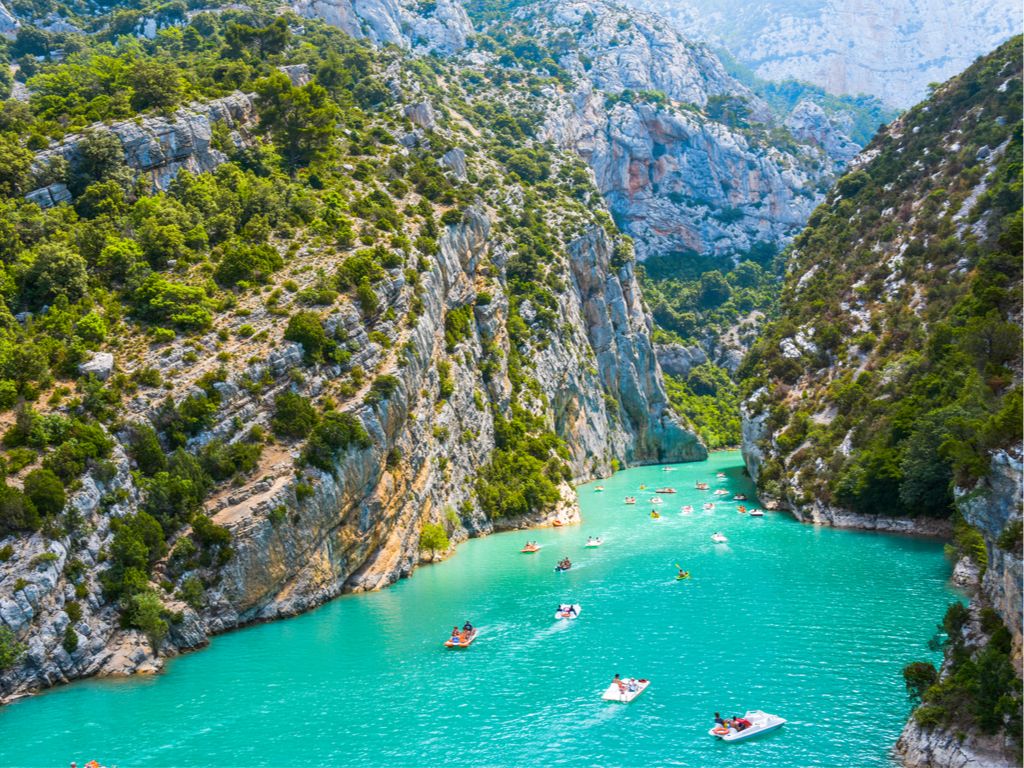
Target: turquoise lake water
<point>808,623</point>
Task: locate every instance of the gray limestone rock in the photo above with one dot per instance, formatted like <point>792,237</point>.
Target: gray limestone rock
<point>809,123</point>
<point>159,147</point>
<point>101,365</point>
<point>404,23</point>
<point>456,160</point>
<point>677,360</point>
<point>421,113</point>
<point>297,73</point>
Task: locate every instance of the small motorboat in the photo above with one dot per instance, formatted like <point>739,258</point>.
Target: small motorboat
<point>666,490</point>
<point>626,690</point>
<point>630,500</point>
<point>530,550</point>
<point>740,497</point>
<point>461,640</point>
<point>760,723</point>
<point>666,469</point>
<point>709,506</point>
<point>591,543</point>
<point>559,568</point>
<point>567,611</point>
<point>718,538</point>
<point>655,515</point>
<point>687,509</point>
<point>721,474</point>
<point>656,500</point>
<point>721,492</point>
<point>701,486</point>
<point>757,513</point>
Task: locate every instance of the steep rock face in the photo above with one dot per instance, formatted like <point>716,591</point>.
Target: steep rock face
<point>992,506</point>
<point>634,50</point>
<point>440,26</point>
<point>888,49</point>
<point>158,147</point>
<point>360,527</point>
<point>809,123</point>
<point>8,24</point>
<point>675,181</point>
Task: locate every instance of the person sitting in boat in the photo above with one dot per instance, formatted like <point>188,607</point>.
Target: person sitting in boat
<point>619,682</point>
<point>741,723</point>
<point>683,574</point>
<point>455,632</point>
<point>569,609</point>
<point>467,628</point>
<point>719,721</point>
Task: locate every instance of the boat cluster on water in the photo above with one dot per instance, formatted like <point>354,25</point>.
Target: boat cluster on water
<point>625,690</point>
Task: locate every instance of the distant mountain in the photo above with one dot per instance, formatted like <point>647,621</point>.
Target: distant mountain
<point>891,49</point>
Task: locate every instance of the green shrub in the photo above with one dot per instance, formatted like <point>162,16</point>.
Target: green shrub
<point>17,512</point>
<point>334,435</point>
<point>304,491</point>
<point>383,387</point>
<point>394,458</point>
<point>294,416</point>
<point>70,643</point>
<point>208,533</point>
<point>74,612</point>
<point>11,651</point>
<point>192,593</point>
<point>433,537</point>
<point>45,490</point>
<point>304,328</point>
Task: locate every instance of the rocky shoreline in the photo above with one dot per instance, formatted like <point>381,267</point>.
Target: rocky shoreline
<point>816,513</point>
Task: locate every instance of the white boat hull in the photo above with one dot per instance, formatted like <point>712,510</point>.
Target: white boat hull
<point>761,723</point>
<point>615,694</point>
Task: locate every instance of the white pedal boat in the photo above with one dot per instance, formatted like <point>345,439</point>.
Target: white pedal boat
<point>721,492</point>
<point>594,543</point>
<point>718,538</point>
<point>566,613</point>
<point>614,693</point>
<point>756,513</point>
<point>760,723</point>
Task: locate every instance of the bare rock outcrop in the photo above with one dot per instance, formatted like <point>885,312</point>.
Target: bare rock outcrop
<point>809,124</point>
<point>158,147</point>
<point>440,26</point>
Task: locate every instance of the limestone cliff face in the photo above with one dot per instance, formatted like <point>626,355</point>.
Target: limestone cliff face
<point>360,527</point>
<point>676,181</point>
<point>992,506</point>
<point>440,26</point>
<point>157,147</point>
<point>887,49</point>
<point>8,24</point>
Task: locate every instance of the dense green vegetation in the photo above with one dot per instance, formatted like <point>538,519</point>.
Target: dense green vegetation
<point>921,380</point>
<point>694,304</point>
<point>980,689</point>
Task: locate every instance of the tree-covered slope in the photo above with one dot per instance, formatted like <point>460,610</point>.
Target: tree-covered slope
<point>891,383</point>
<point>895,365</point>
